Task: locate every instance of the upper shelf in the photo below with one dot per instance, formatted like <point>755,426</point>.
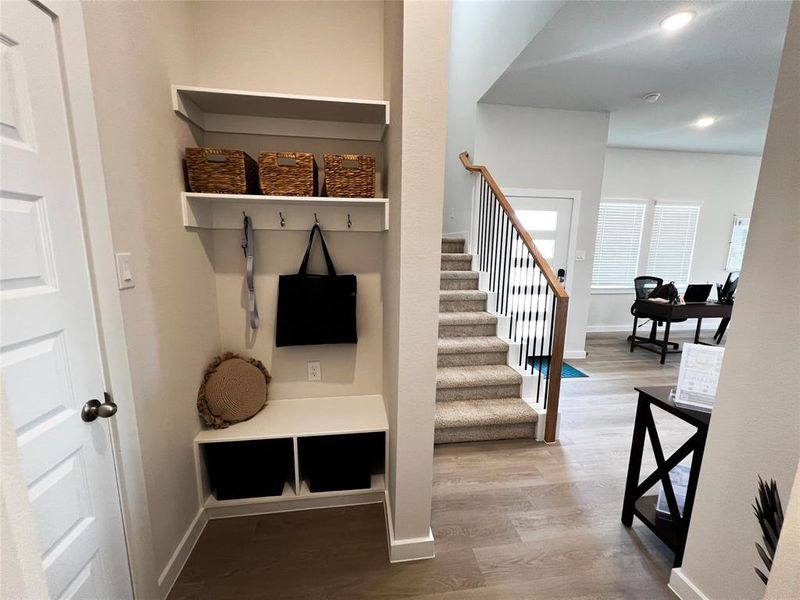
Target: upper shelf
<point>261,113</point>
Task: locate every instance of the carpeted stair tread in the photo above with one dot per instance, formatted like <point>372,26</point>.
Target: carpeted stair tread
<point>459,275</point>
<point>470,345</point>
<point>482,413</point>
<point>462,295</point>
<point>467,318</point>
<point>459,256</point>
<point>476,376</point>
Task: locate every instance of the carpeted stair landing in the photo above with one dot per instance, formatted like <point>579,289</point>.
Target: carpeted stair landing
<point>477,393</point>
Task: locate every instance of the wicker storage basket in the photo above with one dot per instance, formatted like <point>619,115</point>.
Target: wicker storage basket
<point>349,176</point>
<point>287,173</point>
<point>220,171</point>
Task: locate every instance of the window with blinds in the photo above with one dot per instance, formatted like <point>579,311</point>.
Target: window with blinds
<point>619,239</point>
<point>672,241</point>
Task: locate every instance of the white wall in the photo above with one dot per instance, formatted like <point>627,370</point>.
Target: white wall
<point>170,316</point>
<point>724,183</point>
<point>416,59</point>
<point>186,306</point>
<point>551,149</point>
<point>485,37</point>
<point>755,428</point>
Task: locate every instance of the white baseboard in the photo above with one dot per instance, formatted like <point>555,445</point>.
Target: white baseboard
<point>421,548</point>
<point>178,559</point>
<point>574,354</point>
<point>683,588</point>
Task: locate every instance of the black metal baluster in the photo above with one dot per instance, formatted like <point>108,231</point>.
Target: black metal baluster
<point>550,348</point>
<point>537,357</point>
<point>544,337</point>
<point>500,298</point>
<point>515,282</point>
<point>511,232</point>
<point>523,339</point>
<point>485,235</point>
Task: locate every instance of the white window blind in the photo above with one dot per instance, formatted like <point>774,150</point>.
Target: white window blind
<point>672,241</point>
<point>741,225</point>
<point>619,238</point>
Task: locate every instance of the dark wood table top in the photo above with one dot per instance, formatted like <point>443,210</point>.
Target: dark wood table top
<point>691,310</point>
<point>659,395</point>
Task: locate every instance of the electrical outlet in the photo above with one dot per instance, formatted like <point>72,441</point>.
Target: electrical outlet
<point>314,371</point>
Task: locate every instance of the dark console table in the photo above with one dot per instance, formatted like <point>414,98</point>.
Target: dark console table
<point>671,531</point>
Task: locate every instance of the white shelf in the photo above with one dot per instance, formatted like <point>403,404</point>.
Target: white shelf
<point>377,484</point>
<point>305,417</point>
<point>224,211</point>
<point>287,494</point>
<point>264,113</point>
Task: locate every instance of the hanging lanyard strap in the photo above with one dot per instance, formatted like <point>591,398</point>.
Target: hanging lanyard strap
<point>247,248</point>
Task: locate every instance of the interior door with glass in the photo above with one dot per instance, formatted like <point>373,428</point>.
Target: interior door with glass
<point>549,221</point>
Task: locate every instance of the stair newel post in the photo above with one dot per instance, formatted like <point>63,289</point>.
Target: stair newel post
<point>557,360</point>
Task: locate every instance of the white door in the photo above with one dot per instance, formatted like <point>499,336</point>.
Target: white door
<point>549,221</point>
<point>49,353</point>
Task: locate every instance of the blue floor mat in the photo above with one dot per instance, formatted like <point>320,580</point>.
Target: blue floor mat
<point>567,370</point>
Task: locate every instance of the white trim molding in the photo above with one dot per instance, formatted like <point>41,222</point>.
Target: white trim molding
<point>420,548</point>
<point>683,587</point>
<point>181,554</point>
<point>108,306</point>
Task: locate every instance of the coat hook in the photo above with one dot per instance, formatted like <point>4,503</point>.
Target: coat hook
<point>316,221</point>
<point>283,221</point>
<point>349,222</point>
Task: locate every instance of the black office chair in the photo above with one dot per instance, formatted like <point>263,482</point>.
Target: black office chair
<point>643,286</point>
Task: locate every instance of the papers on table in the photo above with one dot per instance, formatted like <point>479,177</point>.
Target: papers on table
<point>679,476</point>
<point>698,376</point>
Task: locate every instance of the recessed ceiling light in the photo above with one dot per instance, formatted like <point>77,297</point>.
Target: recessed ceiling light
<point>651,97</point>
<point>704,122</point>
<point>677,21</point>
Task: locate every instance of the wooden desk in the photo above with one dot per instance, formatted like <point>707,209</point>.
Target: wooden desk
<point>671,531</point>
<point>666,312</point>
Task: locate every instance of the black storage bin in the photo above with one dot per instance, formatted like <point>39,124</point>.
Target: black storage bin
<point>248,469</point>
<point>340,462</point>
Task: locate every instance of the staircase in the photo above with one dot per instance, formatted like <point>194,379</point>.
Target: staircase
<point>477,393</point>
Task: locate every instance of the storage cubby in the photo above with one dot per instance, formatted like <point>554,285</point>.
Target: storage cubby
<point>249,469</point>
<point>332,463</point>
<point>298,453</point>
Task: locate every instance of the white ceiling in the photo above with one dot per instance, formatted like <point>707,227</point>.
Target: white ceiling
<point>605,55</point>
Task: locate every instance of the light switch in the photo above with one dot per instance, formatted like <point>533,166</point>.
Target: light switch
<point>125,277</point>
<point>580,255</point>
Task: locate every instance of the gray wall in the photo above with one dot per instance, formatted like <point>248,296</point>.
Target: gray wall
<point>485,37</point>
<point>551,149</point>
<point>755,427</point>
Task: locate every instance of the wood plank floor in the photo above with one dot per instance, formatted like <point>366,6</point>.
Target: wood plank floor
<point>512,520</point>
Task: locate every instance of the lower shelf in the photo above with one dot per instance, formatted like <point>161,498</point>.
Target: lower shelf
<point>378,484</point>
<point>667,531</point>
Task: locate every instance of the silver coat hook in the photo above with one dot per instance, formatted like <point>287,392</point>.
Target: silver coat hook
<point>349,222</point>
<point>283,221</point>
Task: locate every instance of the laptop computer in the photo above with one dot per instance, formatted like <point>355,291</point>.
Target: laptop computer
<point>697,292</point>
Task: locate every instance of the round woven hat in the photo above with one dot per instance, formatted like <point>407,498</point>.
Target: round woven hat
<point>234,389</point>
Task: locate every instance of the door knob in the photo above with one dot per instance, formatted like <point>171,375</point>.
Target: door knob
<point>94,408</point>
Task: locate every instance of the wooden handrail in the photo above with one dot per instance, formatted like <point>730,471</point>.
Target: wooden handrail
<point>545,267</point>
<point>559,324</point>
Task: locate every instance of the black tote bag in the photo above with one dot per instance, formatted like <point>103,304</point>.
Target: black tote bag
<point>316,309</point>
